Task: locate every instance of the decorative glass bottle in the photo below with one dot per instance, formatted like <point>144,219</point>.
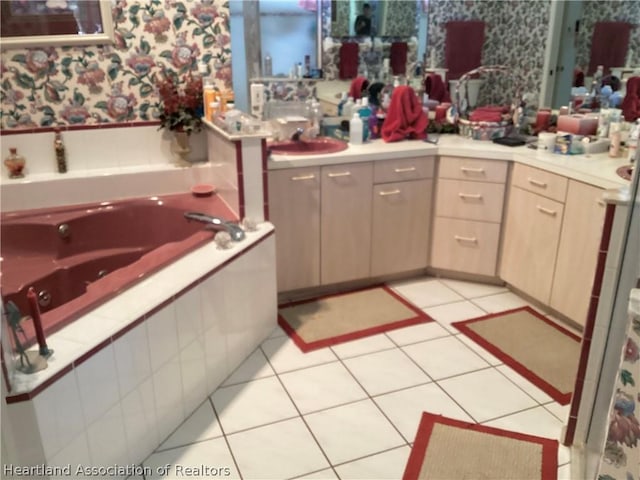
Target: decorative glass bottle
<point>15,163</point>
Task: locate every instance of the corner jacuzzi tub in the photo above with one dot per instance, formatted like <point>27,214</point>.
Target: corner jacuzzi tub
<point>78,257</point>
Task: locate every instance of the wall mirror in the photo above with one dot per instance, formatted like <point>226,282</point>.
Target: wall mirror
<point>385,18</point>
<point>36,23</point>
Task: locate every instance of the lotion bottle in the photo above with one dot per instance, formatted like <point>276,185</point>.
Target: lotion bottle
<point>355,130</point>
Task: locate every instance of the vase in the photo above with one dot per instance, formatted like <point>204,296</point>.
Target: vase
<point>181,147</point>
<point>15,164</point>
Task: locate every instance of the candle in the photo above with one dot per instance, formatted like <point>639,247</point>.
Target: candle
<point>542,120</point>
<point>37,321</point>
<point>441,112</point>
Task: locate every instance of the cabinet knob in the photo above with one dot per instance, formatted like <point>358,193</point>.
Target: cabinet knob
<point>537,183</point>
<point>465,239</point>
<point>404,170</point>
<point>475,196</point>
<point>546,211</point>
<point>303,177</point>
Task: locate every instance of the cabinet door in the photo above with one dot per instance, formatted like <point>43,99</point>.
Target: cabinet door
<point>345,245</point>
<point>294,209</point>
<point>578,251</point>
<point>531,237</point>
<point>400,230</point>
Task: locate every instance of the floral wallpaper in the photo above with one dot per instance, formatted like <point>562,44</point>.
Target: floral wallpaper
<point>58,86</point>
<point>622,453</point>
<point>618,11</point>
<point>515,36</point>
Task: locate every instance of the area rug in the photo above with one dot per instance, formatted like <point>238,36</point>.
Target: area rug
<point>342,317</point>
<point>534,346</point>
<point>447,449</point>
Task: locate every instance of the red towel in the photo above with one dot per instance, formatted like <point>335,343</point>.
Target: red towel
<point>435,88</point>
<point>405,118</point>
<point>631,103</point>
<point>609,45</point>
<point>463,47</point>
<point>348,61</point>
<point>358,84</point>
<point>398,58</point>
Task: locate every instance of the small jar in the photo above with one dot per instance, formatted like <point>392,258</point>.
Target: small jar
<point>15,164</point>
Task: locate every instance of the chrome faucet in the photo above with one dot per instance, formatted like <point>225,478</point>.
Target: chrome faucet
<point>217,224</point>
<point>296,135</point>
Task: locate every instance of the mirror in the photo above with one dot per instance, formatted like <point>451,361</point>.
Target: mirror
<point>380,18</point>
<point>55,22</point>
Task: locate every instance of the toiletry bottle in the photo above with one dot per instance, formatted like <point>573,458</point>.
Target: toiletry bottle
<point>615,137</point>
<point>316,117</point>
<point>299,70</point>
<point>307,66</point>
<point>268,68</point>
<point>61,155</point>
<point>343,100</point>
<point>348,107</point>
<point>355,130</point>
<point>15,163</point>
<point>365,115</point>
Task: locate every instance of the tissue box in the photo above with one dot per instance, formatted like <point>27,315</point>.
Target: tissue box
<point>578,124</point>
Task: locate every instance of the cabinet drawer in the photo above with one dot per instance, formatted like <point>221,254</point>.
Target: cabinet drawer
<point>539,181</point>
<point>470,200</point>
<point>473,169</point>
<point>465,246</point>
<point>400,169</point>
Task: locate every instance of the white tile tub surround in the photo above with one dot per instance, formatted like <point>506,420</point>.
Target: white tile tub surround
<point>120,403</point>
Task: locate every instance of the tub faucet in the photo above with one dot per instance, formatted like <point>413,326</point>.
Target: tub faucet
<point>296,135</point>
<point>217,224</point>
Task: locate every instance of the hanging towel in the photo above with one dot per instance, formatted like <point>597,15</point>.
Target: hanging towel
<point>398,58</point>
<point>348,60</point>
<point>358,85</point>
<point>631,103</point>
<point>405,117</point>
<point>463,47</point>
<point>609,45</point>
<point>435,88</point>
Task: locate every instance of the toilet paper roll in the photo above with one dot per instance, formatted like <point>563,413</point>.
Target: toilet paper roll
<point>546,141</point>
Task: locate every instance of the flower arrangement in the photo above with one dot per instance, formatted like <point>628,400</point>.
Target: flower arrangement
<point>181,105</point>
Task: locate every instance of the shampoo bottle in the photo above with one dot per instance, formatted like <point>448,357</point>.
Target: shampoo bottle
<point>355,130</point>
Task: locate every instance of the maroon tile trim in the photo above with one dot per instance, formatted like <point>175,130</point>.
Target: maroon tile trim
<point>86,356</point>
<point>70,128</point>
<point>570,432</point>
<point>240,171</point>
<point>23,397</point>
<point>265,180</point>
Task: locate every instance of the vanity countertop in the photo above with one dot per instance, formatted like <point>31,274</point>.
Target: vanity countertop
<point>594,169</point>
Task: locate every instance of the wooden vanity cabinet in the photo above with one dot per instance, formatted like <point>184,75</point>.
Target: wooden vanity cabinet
<point>294,209</point>
<point>578,251</point>
<point>401,202</point>
<point>469,204</point>
<point>345,219</point>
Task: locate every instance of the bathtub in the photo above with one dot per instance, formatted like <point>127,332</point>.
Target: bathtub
<point>83,255</point>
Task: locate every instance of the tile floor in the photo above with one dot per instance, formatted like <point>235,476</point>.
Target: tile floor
<point>351,411</point>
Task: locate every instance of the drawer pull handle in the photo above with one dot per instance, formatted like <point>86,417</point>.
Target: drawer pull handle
<point>466,239</point>
<point>403,170</point>
<point>476,196</point>
<point>472,169</point>
<point>389,192</point>
<point>303,177</point>
<point>546,210</point>
<point>537,183</point>
<point>339,174</point>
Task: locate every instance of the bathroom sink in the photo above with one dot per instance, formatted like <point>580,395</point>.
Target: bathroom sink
<point>625,171</point>
<point>311,146</point>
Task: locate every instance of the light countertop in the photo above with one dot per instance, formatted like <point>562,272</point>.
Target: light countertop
<point>595,169</point>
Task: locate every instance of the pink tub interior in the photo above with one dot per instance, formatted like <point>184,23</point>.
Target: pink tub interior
<point>109,247</point>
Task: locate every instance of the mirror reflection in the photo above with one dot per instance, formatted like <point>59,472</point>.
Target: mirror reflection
<point>381,18</point>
